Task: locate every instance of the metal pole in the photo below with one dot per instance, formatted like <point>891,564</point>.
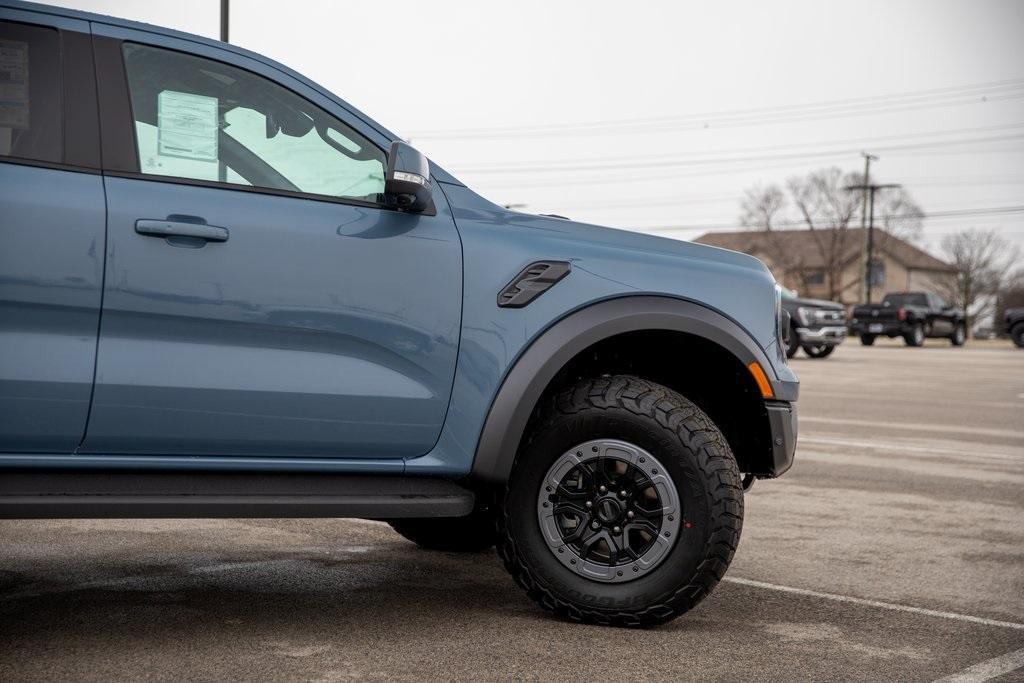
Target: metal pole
<point>863,232</point>
<point>871,237</point>
<point>224,20</point>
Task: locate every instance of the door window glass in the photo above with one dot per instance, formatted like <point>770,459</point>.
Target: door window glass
<point>30,115</point>
<point>204,120</point>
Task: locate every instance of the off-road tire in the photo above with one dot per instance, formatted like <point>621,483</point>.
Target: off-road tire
<point>867,339</point>
<point>471,534</point>
<point>693,452</point>
<point>916,336</point>
<point>1017,335</point>
<point>820,351</point>
<point>959,335</point>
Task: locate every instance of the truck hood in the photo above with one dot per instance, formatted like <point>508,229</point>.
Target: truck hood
<point>610,262</point>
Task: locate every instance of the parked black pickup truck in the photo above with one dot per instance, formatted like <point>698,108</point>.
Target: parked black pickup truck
<point>1015,325</point>
<point>816,326</point>
<point>914,316</point>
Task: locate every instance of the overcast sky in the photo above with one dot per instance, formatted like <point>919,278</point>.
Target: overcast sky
<point>678,105</point>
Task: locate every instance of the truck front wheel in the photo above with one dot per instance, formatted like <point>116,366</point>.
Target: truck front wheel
<point>793,343</point>
<point>867,339</point>
<point>819,351</point>
<point>624,506</point>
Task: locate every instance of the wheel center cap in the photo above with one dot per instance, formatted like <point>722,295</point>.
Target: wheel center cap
<point>608,510</point>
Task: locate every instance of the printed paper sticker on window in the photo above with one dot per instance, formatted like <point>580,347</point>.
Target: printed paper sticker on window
<point>187,126</point>
<point>14,102</point>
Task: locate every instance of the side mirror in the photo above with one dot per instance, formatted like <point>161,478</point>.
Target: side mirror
<point>407,180</point>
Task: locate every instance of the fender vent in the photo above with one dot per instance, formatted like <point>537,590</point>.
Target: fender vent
<point>531,282</point>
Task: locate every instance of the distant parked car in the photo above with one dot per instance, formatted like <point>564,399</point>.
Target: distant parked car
<point>816,326</point>
<point>914,316</point>
<point>1015,325</point>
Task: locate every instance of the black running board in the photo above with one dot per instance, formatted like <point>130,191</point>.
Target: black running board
<point>137,495</point>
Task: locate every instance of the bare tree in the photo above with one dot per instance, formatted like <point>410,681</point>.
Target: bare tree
<point>820,203</point>
<point>827,210</point>
<point>761,206</point>
<point>984,262</point>
<point>899,215</point>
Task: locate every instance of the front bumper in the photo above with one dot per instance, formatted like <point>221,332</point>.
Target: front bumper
<point>782,423</point>
<point>830,335</point>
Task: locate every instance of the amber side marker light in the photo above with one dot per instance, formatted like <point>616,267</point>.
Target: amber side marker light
<point>762,380</point>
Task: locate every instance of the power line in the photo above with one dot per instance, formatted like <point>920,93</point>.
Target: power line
<point>641,177</point>
<point>640,202</point>
<point>675,155</point>
<point>665,163</point>
<point>952,213</point>
<point>877,104</point>
<point>933,92</point>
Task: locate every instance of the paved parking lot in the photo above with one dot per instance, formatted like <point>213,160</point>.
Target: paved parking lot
<point>894,549</point>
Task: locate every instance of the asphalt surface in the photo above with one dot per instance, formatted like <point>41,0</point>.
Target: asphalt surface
<point>894,549</point>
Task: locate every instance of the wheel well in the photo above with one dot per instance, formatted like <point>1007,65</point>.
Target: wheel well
<point>697,368</point>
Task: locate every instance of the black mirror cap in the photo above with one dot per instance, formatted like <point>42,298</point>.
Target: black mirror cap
<point>407,180</point>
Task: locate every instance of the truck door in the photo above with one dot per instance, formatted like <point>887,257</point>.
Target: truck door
<point>52,231</point>
<point>260,299</point>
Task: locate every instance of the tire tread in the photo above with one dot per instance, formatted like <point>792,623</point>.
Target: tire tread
<point>698,434</point>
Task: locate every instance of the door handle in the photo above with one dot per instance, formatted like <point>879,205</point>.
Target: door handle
<point>154,228</point>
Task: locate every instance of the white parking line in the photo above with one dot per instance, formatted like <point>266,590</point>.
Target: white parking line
<point>915,426</point>
<point>987,670</point>
<point>984,453</point>
<point>875,603</point>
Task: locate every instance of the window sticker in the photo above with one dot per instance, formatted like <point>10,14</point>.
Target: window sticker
<point>187,126</point>
<point>14,102</point>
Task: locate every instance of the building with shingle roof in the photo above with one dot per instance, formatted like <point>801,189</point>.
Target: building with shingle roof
<point>826,264</point>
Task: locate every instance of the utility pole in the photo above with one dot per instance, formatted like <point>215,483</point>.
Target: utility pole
<point>869,194</point>
<point>224,21</point>
<point>864,263</point>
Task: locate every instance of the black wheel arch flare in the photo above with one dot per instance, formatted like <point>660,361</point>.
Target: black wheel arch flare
<point>538,364</point>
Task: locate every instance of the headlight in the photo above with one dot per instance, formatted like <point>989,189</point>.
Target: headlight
<point>781,321</point>
<point>805,316</point>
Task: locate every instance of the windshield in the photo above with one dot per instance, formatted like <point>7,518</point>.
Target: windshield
<point>898,300</point>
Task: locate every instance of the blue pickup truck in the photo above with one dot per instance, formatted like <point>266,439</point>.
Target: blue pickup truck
<point>226,292</point>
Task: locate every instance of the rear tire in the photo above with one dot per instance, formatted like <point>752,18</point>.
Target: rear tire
<point>471,534</point>
<point>916,335</point>
<point>820,351</point>
<point>867,339</point>
<point>599,431</point>
<point>1017,335</point>
<point>959,335</point>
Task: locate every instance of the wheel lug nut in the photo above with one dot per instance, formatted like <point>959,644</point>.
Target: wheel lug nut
<point>595,525</point>
<point>631,514</point>
<point>616,530</point>
<point>603,489</point>
<point>590,503</point>
<point>623,493</point>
